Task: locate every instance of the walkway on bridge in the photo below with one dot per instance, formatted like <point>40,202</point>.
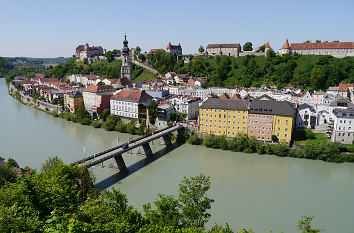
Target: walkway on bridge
<point>116,152</point>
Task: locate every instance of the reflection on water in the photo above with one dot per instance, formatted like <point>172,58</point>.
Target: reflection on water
<point>261,192</point>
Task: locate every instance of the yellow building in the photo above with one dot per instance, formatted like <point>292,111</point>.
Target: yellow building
<point>73,101</point>
<point>223,117</point>
<point>269,117</point>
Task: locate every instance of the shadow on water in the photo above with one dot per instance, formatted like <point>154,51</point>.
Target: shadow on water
<point>109,181</point>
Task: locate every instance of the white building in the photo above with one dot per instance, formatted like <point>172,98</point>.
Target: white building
<point>335,49</point>
<point>306,117</point>
<point>169,78</point>
<point>187,105</point>
<point>130,104</point>
<point>306,99</point>
<point>343,126</point>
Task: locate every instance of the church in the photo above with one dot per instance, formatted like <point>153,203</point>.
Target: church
<point>126,68</point>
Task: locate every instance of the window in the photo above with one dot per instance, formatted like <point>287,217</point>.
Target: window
<point>278,128</point>
<point>286,135</point>
<point>286,129</point>
<point>286,121</point>
<point>279,121</point>
<point>278,134</point>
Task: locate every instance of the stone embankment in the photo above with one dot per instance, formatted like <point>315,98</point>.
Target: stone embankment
<point>35,102</point>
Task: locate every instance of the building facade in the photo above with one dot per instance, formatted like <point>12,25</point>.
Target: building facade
<point>90,53</point>
<point>270,117</point>
<point>335,49</point>
<point>130,104</point>
<point>73,101</point>
<point>343,127</point>
<point>187,105</point>
<point>223,117</point>
<point>174,50</point>
<point>96,98</point>
<point>223,49</point>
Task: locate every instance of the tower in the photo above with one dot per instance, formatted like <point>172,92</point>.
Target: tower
<point>126,69</point>
<point>285,49</point>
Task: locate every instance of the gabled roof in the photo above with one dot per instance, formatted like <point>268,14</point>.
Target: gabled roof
<point>1,158</point>
<point>304,106</point>
<point>99,89</point>
<point>229,104</point>
<point>170,46</point>
<point>132,95</point>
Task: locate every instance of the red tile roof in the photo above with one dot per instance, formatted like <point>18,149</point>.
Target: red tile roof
<point>155,50</point>
<point>99,89</point>
<point>344,86</point>
<point>267,45</point>
<point>169,46</point>
<point>323,45</point>
<point>236,97</point>
<point>224,96</point>
<point>286,45</point>
<point>133,95</point>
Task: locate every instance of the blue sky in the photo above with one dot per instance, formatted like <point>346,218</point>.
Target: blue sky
<point>52,28</point>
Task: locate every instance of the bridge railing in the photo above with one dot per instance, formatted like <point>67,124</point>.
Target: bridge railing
<point>117,147</point>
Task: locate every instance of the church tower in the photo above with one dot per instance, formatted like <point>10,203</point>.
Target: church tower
<point>126,69</point>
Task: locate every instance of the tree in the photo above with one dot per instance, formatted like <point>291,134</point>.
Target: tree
<point>201,49</point>
<point>194,202</point>
<point>11,163</point>
<point>262,48</point>
<point>131,128</point>
<point>304,225</point>
<point>110,56</point>
<point>138,49</point>
<point>51,164</point>
<point>110,123</point>
<point>142,57</point>
<point>318,77</point>
<point>318,41</point>
<point>247,46</point>
<point>270,54</point>
<point>152,111</point>
<point>105,114</point>
<point>308,41</point>
<point>100,83</point>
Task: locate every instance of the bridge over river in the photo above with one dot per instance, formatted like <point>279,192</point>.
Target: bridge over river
<point>143,142</point>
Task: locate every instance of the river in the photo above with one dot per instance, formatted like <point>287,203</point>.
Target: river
<point>250,191</point>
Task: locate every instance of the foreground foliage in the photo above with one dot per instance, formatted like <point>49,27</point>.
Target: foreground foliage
<point>62,198</point>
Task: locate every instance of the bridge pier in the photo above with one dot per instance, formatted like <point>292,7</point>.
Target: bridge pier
<point>180,134</point>
<point>165,140</point>
<point>145,149</point>
<point>120,163</point>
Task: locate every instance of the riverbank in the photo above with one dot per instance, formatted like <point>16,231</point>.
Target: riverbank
<point>321,150</point>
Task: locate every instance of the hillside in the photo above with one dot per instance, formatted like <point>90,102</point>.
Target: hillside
<point>316,72</point>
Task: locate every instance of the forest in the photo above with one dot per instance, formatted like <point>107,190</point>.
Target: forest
<point>309,72</point>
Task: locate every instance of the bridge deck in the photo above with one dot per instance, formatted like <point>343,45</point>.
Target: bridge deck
<point>103,156</point>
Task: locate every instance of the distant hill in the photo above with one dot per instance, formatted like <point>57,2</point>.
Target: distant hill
<point>55,60</point>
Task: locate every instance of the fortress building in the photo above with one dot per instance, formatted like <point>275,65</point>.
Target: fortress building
<point>335,49</point>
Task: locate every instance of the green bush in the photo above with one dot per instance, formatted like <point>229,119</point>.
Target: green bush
<point>210,140</point>
<point>121,127</point>
<point>96,124</point>
<point>85,121</point>
<point>195,140</point>
<point>110,123</point>
<point>281,149</point>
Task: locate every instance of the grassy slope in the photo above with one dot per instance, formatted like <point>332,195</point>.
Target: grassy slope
<point>144,76</point>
